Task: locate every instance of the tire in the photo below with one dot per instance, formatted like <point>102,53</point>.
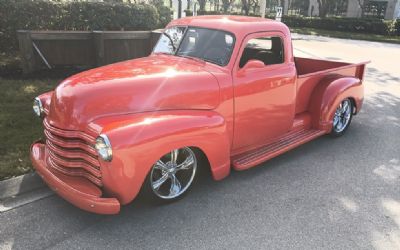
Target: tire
<point>171,177</point>
<point>342,118</point>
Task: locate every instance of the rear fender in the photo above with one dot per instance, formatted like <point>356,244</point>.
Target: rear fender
<point>328,94</point>
<point>139,140</point>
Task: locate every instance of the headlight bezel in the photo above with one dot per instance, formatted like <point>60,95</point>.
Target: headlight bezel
<point>38,107</point>
<point>103,147</point>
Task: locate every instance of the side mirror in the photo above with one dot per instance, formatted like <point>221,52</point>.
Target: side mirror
<point>251,64</point>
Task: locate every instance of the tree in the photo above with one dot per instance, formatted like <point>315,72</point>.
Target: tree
<point>226,4</point>
<point>247,4</point>
<point>362,3</point>
<point>202,4</point>
<point>323,7</point>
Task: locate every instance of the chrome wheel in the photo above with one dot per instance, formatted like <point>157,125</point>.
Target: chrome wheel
<point>173,173</point>
<point>342,116</point>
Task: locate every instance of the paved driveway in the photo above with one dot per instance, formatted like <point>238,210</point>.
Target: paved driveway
<point>328,194</point>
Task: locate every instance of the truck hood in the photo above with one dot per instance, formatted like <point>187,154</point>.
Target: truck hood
<point>157,82</point>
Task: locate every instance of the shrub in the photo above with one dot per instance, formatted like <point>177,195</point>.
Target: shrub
<point>56,15</point>
<point>397,26</point>
<point>361,25</point>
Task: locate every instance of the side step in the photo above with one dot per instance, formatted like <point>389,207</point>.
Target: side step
<point>279,146</point>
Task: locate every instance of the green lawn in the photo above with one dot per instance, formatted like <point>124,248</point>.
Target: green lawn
<point>19,127</point>
<point>347,35</point>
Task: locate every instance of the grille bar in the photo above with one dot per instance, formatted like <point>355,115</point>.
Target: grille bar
<point>69,133</point>
<point>69,144</point>
<point>75,172</point>
<point>71,153</point>
<point>74,164</point>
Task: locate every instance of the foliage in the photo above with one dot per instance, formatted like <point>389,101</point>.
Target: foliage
<point>397,26</point>
<point>226,4</point>
<point>359,25</point>
<point>75,15</point>
<point>165,15</point>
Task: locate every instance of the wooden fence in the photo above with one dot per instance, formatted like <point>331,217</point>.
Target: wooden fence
<point>50,49</point>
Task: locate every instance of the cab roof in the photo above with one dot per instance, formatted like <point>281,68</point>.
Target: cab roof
<point>240,26</point>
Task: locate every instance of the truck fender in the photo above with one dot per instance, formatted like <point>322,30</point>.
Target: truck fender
<point>327,96</point>
<point>139,140</point>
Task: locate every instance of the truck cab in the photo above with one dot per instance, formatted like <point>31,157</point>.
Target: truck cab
<point>218,92</point>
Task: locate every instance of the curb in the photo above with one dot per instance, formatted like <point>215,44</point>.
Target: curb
<point>19,185</point>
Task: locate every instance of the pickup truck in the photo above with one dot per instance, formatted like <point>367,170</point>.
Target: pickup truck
<point>217,92</point>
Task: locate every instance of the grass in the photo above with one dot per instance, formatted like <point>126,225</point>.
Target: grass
<point>347,35</point>
<point>9,62</point>
<point>19,127</point>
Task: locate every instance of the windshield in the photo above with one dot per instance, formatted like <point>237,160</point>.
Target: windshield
<point>210,45</point>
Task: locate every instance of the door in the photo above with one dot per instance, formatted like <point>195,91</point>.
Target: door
<point>264,92</point>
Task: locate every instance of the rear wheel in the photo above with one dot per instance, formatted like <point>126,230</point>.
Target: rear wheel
<point>342,117</point>
<point>172,175</point>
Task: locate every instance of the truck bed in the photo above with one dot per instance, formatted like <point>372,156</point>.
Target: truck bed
<point>311,71</point>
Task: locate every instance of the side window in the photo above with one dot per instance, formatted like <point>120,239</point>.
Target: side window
<point>269,50</point>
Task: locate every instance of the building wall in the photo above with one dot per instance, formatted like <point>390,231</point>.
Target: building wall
<point>392,10</point>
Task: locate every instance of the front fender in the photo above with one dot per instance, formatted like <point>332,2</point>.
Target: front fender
<point>327,96</point>
<point>139,140</point>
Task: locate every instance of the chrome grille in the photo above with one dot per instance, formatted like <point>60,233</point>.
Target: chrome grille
<point>72,153</point>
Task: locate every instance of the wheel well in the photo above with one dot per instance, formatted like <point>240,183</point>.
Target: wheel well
<point>353,102</point>
<point>203,160</point>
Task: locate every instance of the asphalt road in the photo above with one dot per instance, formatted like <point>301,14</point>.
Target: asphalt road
<point>328,194</point>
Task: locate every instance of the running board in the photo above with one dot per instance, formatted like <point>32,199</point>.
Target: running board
<point>279,146</point>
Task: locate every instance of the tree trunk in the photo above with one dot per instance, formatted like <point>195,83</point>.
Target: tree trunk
<point>245,7</point>
<point>202,4</point>
<point>323,7</point>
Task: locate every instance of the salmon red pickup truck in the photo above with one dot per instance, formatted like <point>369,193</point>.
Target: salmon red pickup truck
<point>225,89</point>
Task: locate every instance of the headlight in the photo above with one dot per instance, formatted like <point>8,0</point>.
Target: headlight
<point>103,147</point>
<point>38,107</point>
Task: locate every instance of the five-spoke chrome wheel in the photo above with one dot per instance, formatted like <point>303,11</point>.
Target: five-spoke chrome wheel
<point>342,117</point>
<point>173,173</point>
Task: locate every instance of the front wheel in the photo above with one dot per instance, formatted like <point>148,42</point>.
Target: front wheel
<point>172,175</point>
<point>342,118</point>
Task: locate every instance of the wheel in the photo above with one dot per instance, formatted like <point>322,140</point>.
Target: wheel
<point>342,117</point>
<point>171,177</point>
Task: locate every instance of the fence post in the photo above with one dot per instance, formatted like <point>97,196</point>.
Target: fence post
<point>26,51</point>
<point>98,39</point>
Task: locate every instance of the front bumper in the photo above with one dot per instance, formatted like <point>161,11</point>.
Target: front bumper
<point>77,190</point>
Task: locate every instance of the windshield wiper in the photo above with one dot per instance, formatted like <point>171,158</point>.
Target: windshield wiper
<point>172,41</point>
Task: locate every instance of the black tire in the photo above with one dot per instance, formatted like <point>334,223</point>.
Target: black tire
<point>185,177</point>
<point>342,118</point>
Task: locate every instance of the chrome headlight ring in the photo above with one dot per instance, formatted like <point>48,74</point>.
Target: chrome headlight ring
<point>103,147</point>
<point>38,107</point>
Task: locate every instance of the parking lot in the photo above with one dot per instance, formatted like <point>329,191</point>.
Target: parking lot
<point>339,193</point>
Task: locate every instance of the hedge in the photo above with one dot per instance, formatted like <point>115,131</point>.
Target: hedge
<point>56,15</point>
<point>397,27</point>
<point>361,25</point>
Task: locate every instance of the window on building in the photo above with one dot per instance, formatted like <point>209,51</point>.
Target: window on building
<point>266,49</point>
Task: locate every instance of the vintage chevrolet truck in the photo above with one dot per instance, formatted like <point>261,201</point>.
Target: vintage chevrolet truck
<point>226,89</point>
